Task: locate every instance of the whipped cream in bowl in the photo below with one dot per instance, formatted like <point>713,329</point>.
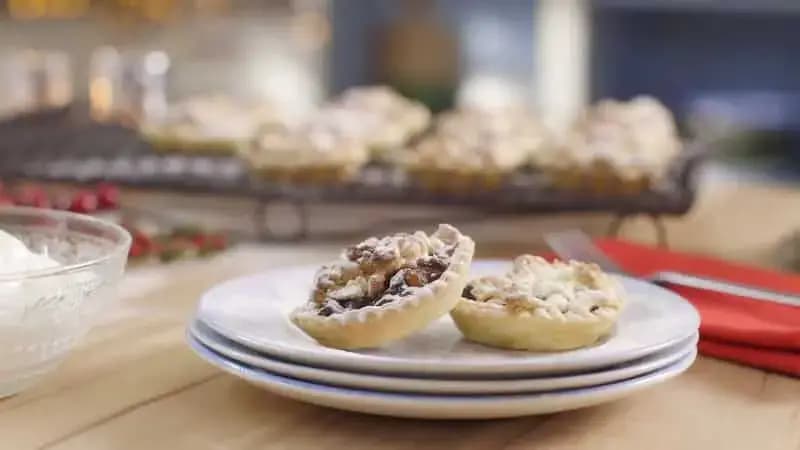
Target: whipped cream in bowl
<point>56,269</point>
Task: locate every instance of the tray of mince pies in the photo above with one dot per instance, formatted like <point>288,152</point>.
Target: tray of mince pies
<point>411,325</point>
<point>372,144</point>
<point>614,148</point>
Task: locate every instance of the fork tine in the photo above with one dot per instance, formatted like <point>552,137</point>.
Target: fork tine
<point>577,245</point>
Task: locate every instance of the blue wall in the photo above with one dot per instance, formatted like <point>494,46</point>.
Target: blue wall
<point>679,56</point>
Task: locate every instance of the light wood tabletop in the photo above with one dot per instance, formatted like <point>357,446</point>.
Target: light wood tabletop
<point>134,384</point>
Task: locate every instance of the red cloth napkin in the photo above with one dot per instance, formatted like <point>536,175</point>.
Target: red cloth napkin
<point>752,332</point>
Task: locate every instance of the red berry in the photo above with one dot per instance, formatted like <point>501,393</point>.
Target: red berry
<point>211,243</point>
<point>107,196</point>
<point>199,240</point>
<point>216,241</point>
<point>137,250</point>
<point>84,202</point>
<point>140,237</point>
<point>144,240</point>
<point>33,196</point>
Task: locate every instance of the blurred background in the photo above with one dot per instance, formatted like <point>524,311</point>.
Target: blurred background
<point>728,60</point>
<point>725,68</point>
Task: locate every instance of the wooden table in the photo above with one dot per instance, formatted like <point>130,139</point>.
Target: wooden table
<point>134,384</point>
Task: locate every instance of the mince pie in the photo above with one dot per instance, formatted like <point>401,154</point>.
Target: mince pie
<point>387,120</point>
<point>323,148</point>
<point>540,306</point>
<point>474,148</point>
<point>209,124</point>
<point>384,289</point>
<point>618,147</point>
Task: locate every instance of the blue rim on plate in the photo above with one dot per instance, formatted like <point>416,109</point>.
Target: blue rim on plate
<point>238,353</point>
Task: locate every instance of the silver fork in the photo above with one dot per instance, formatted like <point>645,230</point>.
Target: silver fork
<point>577,245</point>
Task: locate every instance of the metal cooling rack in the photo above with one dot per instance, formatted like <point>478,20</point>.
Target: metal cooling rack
<point>63,146</point>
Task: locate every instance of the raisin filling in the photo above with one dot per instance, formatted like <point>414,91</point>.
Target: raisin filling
<point>467,293</point>
<point>381,282</point>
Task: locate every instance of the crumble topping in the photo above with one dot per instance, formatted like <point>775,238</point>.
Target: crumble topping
<point>633,138</point>
<point>555,289</point>
<point>387,118</point>
<point>378,271</point>
<point>327,138</point>
<point>475,139</point>
<point>216,117</point>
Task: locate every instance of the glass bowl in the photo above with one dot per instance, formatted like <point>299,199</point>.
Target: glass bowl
<point>43,313</point>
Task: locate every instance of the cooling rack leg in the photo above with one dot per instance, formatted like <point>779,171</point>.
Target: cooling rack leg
<point>616,224</point>
<point>301,210</point>
<point>260,220</point>
<point>661,231</point>
<point>658,224</point>
<point>267,219</point>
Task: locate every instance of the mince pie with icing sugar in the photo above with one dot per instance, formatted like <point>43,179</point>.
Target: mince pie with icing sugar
<point>324,148</point>
<point>384,289</point>
<point>622,146</point>
<point>387,121</point>
<point>471,148</point>
<point>540,306</point>
<point>212,124</point>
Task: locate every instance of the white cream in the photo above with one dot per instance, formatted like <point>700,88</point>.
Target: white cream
<point>16,258</point>
<point>41,317</point>
<point>20,297</point>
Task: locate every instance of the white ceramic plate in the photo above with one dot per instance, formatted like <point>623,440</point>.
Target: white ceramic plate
<point>440,406</point>
<point>253,311</point>
<point>239,353</point>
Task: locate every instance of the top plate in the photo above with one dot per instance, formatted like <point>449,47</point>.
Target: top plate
<point>254,312</point>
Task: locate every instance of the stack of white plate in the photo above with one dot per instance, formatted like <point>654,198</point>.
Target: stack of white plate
<point>242,327</point>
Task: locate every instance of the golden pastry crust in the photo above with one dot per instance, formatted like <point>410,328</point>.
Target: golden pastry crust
<point>599,179</point>
<point>394,313</point>
<point>176,144</point>
<point>540,306</point>
<point>458,182</point>
<point>312,175</point>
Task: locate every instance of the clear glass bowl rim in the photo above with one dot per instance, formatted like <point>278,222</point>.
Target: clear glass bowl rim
<point>120,249</point>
